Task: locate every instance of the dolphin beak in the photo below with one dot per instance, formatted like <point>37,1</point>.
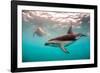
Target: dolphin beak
<point>46,43</point>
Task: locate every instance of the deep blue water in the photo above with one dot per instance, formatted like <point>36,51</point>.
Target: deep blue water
<point>33,48</point>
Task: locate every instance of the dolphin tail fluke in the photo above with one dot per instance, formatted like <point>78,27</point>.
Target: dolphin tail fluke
<point>62,48</point>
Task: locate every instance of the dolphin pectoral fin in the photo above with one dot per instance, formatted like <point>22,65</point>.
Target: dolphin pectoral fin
<point>62,47</point>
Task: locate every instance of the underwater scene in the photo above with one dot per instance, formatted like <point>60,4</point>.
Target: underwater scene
<point>55,36</point>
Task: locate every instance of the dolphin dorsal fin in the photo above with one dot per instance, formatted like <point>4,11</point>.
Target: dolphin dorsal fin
<point>70,30</point>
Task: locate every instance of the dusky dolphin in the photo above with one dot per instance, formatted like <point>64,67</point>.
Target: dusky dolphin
<point>62,40</point>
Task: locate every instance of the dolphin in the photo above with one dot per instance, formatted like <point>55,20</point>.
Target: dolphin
<point>62,40</point>
<point>40,32</point>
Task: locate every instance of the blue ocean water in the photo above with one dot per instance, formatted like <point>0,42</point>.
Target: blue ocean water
<point>34,50</point>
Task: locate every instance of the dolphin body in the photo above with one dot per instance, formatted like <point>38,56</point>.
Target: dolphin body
<point>62,40</point>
